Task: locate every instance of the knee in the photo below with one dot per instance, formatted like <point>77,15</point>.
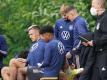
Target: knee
<point>12,62</point>
<point>5,70</point>
<point>22,70</point>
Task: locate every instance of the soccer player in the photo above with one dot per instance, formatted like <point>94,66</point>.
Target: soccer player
<point>37,55</point>
<point>10,73</point>
<point>53,58</point>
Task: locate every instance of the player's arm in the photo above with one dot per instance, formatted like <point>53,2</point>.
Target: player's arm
<point>47,56</point>
<point>3,46</point>
<point>56,31</point>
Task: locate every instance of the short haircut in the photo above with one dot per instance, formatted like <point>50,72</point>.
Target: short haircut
<point>101,2</point>
<point>70,8</point>
<point>46,29</point>
<point>33,27</point>
<point>63,9</point>
<point>23,54</point>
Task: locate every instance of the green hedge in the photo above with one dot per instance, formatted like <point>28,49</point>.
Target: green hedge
<point>17,15</point>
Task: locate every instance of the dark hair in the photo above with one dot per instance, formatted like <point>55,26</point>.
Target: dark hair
<point>70,8</point>
<point>23,54</point>
<point>33,27</point>
<point>46,29</point>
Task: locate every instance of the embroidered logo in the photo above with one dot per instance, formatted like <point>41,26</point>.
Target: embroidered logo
<point>65,35</point>
<point>61,27</point>
<point>98,26</point>
<point>103,69</point>
<point>70,27</point>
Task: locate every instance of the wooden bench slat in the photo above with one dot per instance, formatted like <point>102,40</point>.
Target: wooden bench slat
<point>49,78</point>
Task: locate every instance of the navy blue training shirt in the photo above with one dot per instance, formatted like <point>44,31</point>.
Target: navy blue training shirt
<point>64,32</point>
<point>36,53</point>
<point>53,58</point>
<point>80,28</point>
<point>3,49</point>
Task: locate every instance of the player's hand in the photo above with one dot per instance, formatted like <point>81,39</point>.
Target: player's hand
<point>68,55</point>
<point>21,60</point>
<point>85,43</point>
<point>90,43</point>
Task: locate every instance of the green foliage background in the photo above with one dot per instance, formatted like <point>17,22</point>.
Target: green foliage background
<point>17,15</point>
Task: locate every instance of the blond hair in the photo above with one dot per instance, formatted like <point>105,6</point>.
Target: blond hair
<point>102,3</point>
<point>63,9</point>
<point>33,27</point>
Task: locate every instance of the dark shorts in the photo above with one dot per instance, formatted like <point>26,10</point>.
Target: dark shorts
<point>34,73</point>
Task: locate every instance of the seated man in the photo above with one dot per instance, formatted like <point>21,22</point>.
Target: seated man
<point>3,50</point>
<point>19,62</point>
<point>38,54</point>
<point>53,59</point>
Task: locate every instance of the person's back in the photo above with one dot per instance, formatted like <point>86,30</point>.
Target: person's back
<point>53,59</point>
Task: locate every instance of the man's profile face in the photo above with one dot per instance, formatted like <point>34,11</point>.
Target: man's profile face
<point>62,11</point>
<point>70,15</point>
<point>64,15</point>
<point>34,34</point>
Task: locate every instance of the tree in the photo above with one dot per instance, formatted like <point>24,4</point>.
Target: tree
<point>17,15</point>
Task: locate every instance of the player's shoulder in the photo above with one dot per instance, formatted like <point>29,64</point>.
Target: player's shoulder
<point>60,20</point>
<point>41,41</point>
<point>53,42</point>
<point>80,19</point>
